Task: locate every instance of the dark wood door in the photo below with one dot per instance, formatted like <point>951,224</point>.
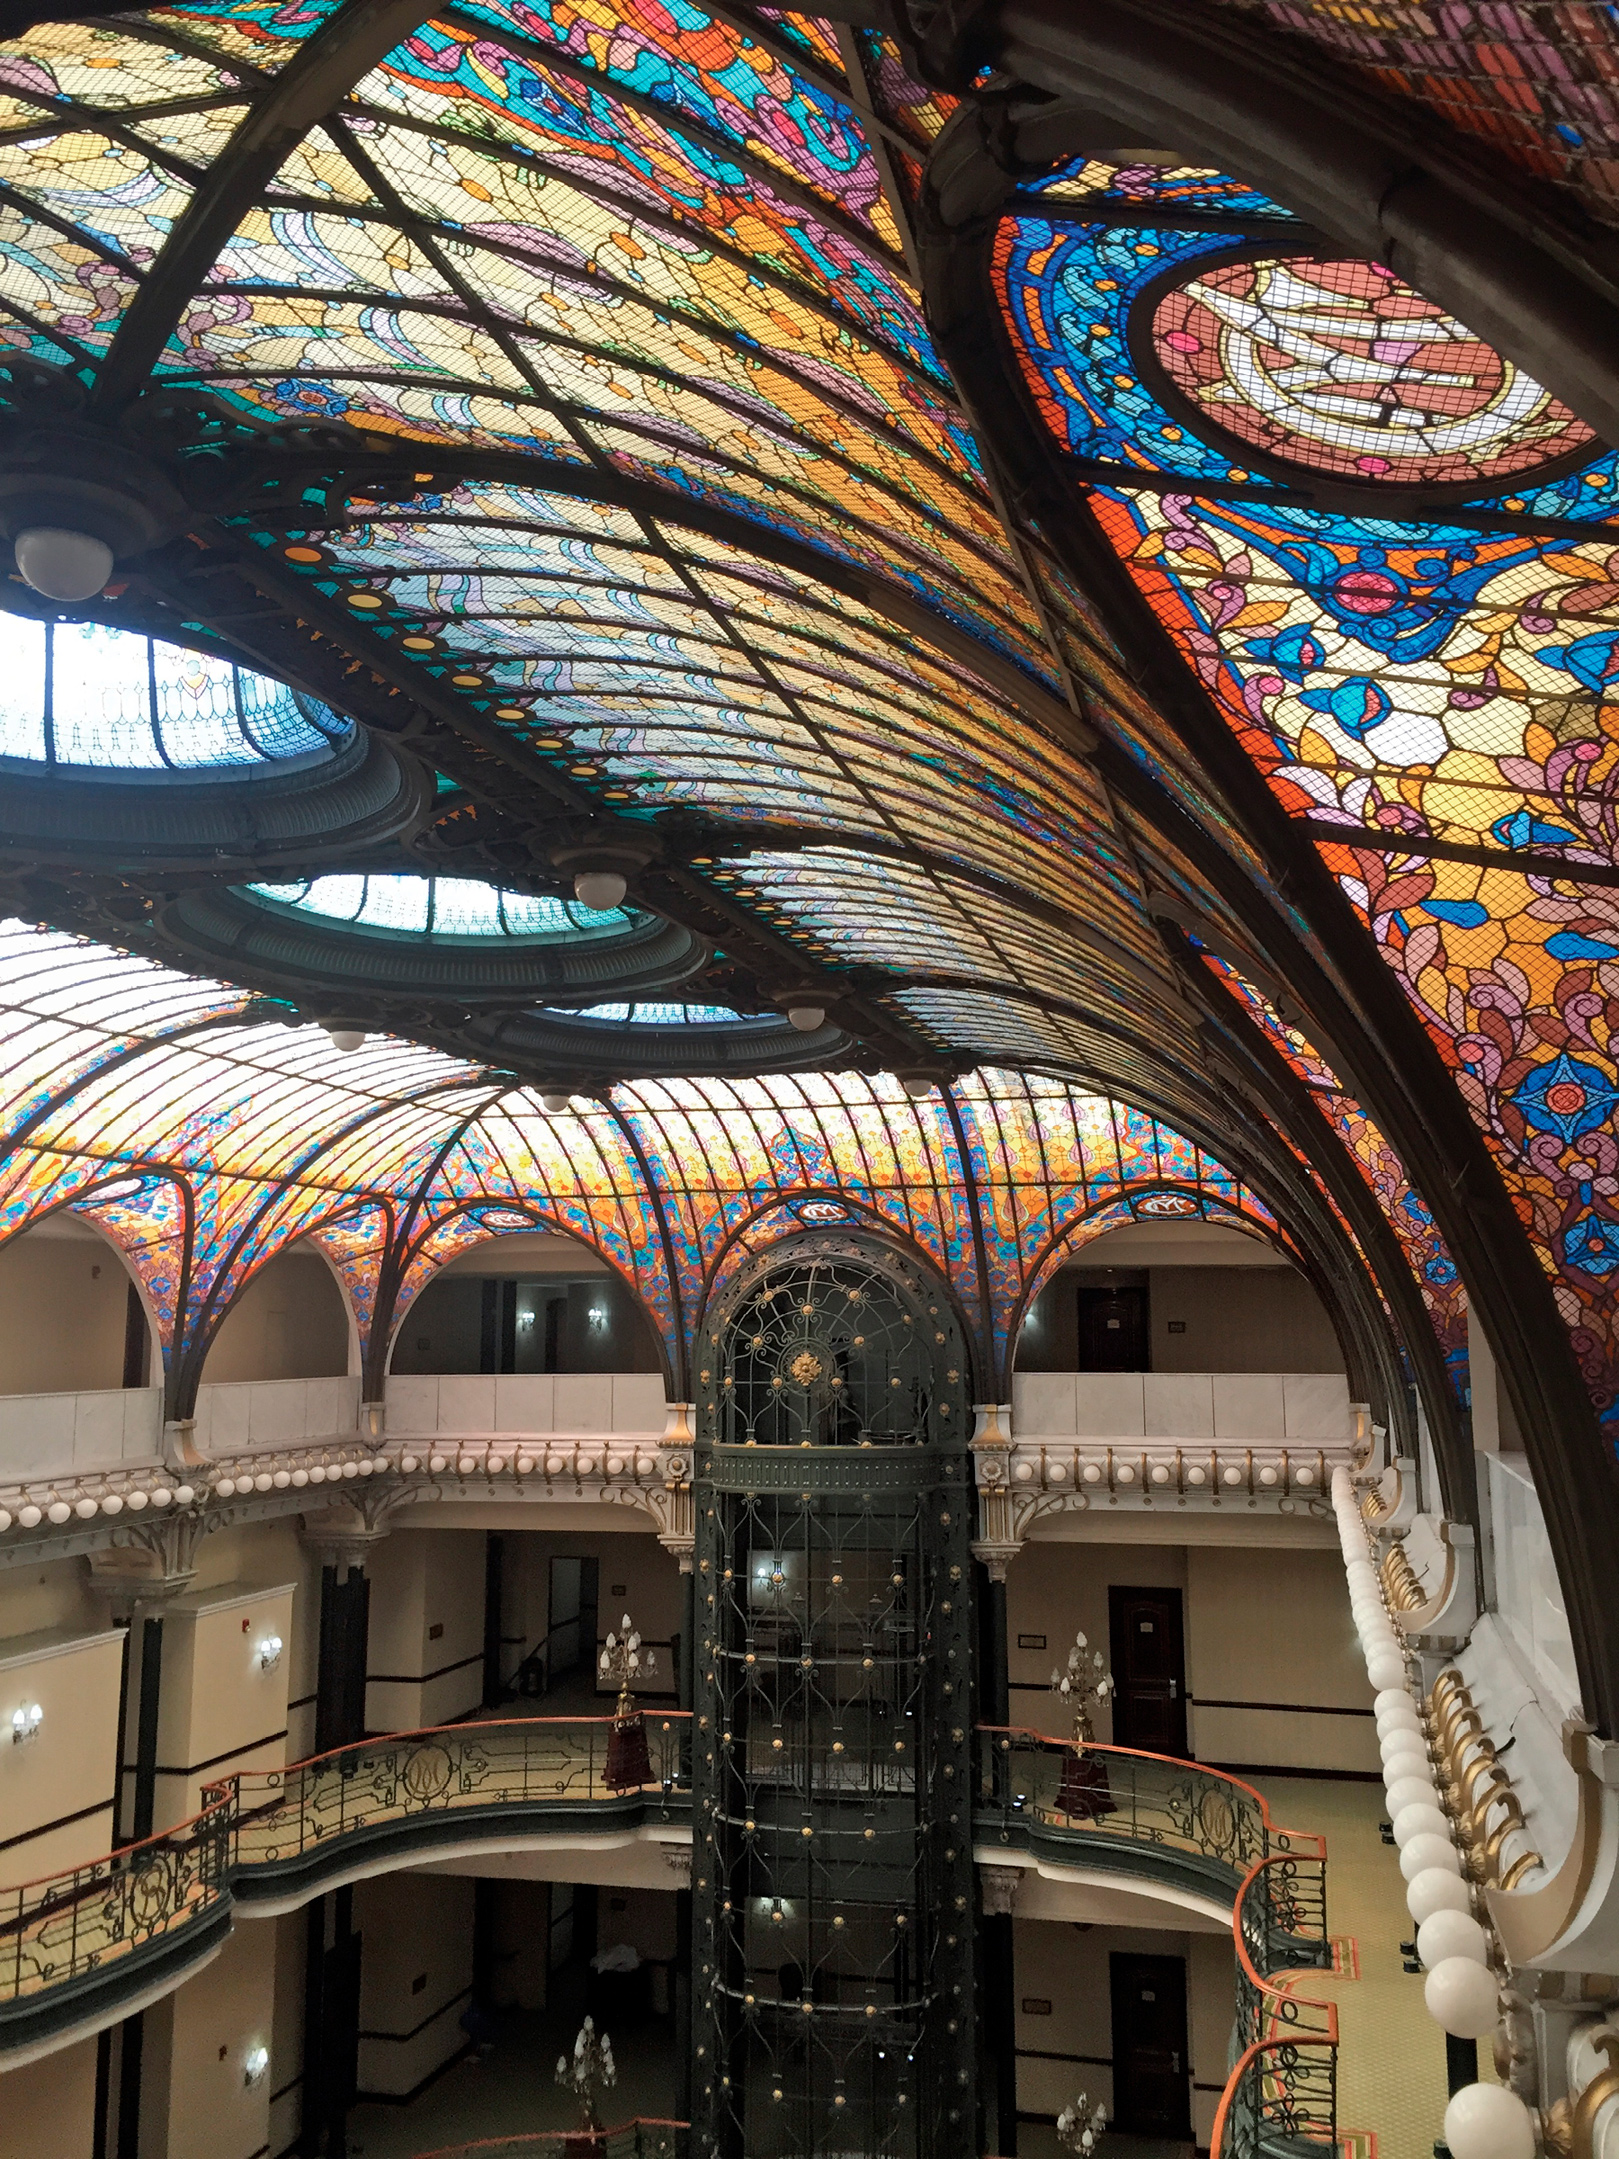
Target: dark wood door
<point>1112,1330</point>
<point>1149,1669</point>
<point>1151,2074</point>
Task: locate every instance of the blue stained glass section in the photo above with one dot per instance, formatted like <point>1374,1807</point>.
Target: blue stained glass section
<point>1182,187</point>
<point>401,904</point>
<point>80,696</point>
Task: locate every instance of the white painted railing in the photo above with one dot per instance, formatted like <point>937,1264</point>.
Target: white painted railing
<point>1247,1409</point>
<point>75,1435</point>
<point>475,1403</point>
<point>255,1416</point>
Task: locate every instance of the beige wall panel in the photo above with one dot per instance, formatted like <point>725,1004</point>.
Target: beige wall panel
<point>291,1933</point>
<point>422,1579</point>
<point>63,1302</point>
<point>1240,1319</point>
<point>1054,1591</point>
<point>1281,1634</point>
<point>70,1764</point>
<point>221,1710</point>
<point>415,1977</point>
<point>197,2045</point>
<point>290,1322</point>
<point>637,1576</point>
<point>55,1597</point>
<point>47,2108</point>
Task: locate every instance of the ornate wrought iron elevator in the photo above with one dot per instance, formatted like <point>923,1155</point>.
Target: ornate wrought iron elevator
<point>832,1867</point>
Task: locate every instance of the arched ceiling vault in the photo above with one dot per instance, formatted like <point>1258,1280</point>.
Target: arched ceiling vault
<point>619,415</point>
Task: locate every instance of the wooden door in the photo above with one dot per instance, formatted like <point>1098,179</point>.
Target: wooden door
<point>1149,1669</point>
<point>1112,1330</point>
<point>1151,2073</point>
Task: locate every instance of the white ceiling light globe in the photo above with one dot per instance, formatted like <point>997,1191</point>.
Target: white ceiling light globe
<point>1424,1854</point>
<point>345,1038</point>
<point>1462,1997</point>
<point>1489,2121</point>
<point>1436,1889</point>
<point>1451,1934</point>
<point>62,565</point>
<point>1409,1750</point>
<point>1420,1819</point>
<point>1397,1700</point>
<point>917,1087</point>
<point>600,890</point>
<point>1406,1792</point>
<point>806,1018</point>
<point>554,1105</point>
<point>1386,1668</point>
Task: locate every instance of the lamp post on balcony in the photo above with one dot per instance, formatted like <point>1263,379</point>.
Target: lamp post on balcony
<point>1083,1790</point>
<point>629,1764</point>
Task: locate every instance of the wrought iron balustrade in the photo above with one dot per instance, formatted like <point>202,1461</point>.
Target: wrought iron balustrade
<point>1029,1783</point>
<point>1282,2092</point>
<point>163,1892</point>
<point>642,2138</point>
<point>519,1762</point>
<point>68,1925</point>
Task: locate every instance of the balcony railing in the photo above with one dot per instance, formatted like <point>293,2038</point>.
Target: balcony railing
<point>63,1929</point>
<point>1282,2093</point>
<point>638,2139</point>
<point>1140,1813</point>
<point>479,1770</point>
<point>149,1913</point>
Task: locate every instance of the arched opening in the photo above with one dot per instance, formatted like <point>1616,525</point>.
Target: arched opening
<point>1177,1296</point>
<point>72,1319</point>
<point>531,1302</point>
<point>291,1321</point>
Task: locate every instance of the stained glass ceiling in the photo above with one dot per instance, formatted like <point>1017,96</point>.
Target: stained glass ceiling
<point>552,388</point>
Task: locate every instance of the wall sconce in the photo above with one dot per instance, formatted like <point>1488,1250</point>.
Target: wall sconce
<point>525,1319</point>
<point>255,2062</point>
<point>270,1652</point>
<point>597,1316</point>
<point>26,1721</point>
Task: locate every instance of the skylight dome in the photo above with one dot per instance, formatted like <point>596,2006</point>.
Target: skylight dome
<point>446,909</point>
<point>81,697</point>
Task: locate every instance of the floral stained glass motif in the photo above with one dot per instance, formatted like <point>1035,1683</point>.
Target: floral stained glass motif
<point>207,1150</point>
<point>1437,1277</point>
<point>1425,682</point>
<point>1341,368</point>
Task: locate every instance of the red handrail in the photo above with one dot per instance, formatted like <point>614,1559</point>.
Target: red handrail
<point>429,1731</point>
<point>1326,2037</point>
<point>560,2136</point>
<point>1303,1837</point>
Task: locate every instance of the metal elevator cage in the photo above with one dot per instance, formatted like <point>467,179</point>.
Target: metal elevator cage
<point>832,1878</point>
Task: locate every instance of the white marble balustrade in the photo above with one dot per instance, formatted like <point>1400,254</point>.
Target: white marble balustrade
<point>1233,1409</point>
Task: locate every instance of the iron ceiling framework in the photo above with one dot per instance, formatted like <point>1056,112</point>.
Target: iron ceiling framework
<point>565,414</point>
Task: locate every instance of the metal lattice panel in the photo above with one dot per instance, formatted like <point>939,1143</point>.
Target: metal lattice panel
<point>832,1769</point>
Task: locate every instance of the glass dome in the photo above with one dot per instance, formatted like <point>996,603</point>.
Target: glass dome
<point>446,909</point>
<point>81,696</point>
<point>657,1015</point>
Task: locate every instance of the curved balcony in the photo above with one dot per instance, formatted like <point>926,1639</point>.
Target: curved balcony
<point>638,2139</point>
<point>1281,2098</point>
<point>79,1950</point>
<point>84,1948</point>
<point>1147,1817</point>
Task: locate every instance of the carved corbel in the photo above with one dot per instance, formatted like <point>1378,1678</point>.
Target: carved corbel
<point>999,1887</point>
<point>1451,1613</point>
<point>667,1496</point>
<point>999,1539</point>
<point>1530,1922</point>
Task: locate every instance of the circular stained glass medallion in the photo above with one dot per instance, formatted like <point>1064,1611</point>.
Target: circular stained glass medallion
<point>1340,367</point>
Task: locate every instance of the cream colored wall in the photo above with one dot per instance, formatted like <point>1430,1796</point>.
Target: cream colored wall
<point>63,1304</point>
<point>415,1977</point>
<point>67,1772</point>
<point>1068,1966</point>
<point>1057,1589</point>
<point>1269,1630</point>
<point>422,1579</point>
<point>1239,1319</point>
<point>220,1711</point>
<point>290,1322</point>
<point>195,2102</point>
<point>647,1580</point>
<point>1277,1639</point>
<point>55,1594</point>
<point>47,2108</point>
<point>291,1933</point>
